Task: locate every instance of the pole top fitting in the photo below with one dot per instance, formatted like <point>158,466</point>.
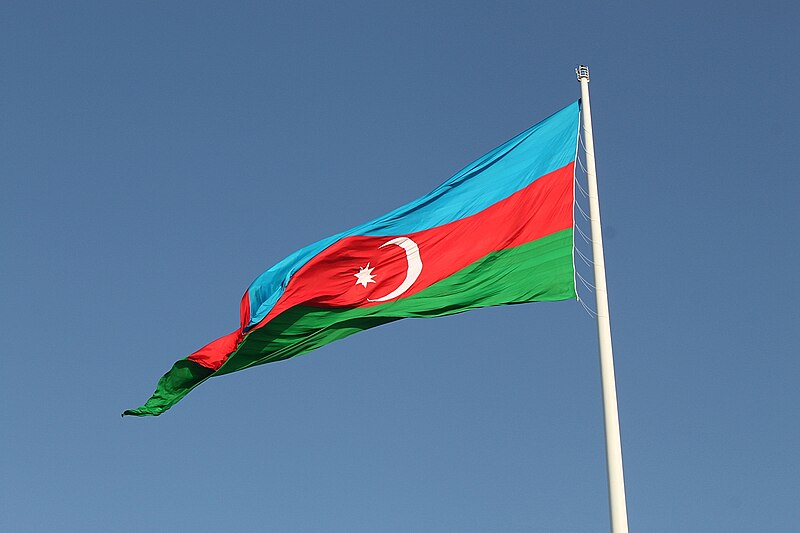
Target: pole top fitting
<point>582,72</point>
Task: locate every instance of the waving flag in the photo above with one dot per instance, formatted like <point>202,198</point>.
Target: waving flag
<point>497,232</point>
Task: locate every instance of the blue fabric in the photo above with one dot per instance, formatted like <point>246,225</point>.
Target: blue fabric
<point>541,149</point>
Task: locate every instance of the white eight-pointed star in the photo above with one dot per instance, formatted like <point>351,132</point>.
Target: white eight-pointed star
<point>365,276</point>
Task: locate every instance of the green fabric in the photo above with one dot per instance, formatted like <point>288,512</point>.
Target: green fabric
<point>174,385</point>
<point>541,270</point>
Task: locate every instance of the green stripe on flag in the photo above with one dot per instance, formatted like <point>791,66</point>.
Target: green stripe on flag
<point>174,385</point>
<point>538,271</point>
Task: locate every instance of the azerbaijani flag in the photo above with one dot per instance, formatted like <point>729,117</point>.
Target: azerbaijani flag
<point>497,232</point>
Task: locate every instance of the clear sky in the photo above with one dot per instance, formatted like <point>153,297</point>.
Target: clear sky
<point>157,156</point>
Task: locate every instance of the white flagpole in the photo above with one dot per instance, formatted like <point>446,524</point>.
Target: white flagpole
<point>616,480</point>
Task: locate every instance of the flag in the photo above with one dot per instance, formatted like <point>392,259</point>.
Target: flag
<point>497,232</point>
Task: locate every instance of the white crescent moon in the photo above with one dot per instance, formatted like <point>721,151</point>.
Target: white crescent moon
<point>414,267</point>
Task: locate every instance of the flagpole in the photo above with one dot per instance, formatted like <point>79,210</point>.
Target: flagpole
<point>616,480</point>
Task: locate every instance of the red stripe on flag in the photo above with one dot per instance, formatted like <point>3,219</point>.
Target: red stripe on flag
<point>330,279</point>
<point>213,354</point>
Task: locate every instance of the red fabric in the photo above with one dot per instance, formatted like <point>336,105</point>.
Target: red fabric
<point>213,354</point>
<point>244,310</point>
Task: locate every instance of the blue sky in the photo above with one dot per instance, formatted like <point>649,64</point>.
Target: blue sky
<point>156,157</point>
